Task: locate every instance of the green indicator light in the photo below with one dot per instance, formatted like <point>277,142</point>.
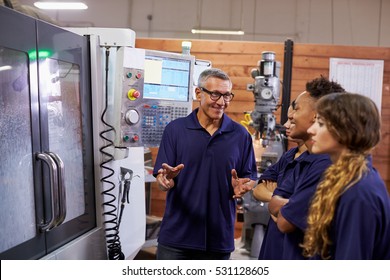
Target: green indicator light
<point>32,55</point>
<point>42,54</point>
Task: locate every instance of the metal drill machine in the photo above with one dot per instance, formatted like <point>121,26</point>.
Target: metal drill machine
<point>263,120</point>
<point>266,93</point>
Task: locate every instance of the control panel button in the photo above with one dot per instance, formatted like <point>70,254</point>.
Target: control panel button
<point>133,94</point>
<point>134,138</point>
<point>132,117</point>
<point>136,94</point>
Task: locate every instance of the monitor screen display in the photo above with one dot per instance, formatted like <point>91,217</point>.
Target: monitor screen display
<point>167,78</point>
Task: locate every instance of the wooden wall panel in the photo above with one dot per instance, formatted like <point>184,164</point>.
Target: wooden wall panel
<point>238,58</point>
<point>309,59</point>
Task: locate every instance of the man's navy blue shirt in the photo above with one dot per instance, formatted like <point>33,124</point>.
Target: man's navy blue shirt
<point>200,209</point>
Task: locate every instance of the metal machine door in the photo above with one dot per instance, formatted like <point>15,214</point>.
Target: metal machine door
<point>66,126</point>
<point>19,139</point>
<point>46,167</point>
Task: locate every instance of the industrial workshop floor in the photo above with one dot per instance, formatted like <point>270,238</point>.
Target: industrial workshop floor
<point>149,252</point>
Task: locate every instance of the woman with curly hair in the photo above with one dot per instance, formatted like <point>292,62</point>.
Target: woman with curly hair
<point>349,216</point>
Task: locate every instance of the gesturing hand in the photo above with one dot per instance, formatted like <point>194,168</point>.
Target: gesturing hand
<point>240,185</point>
<point>166,174</point>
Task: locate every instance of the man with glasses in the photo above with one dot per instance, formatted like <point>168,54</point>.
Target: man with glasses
<point>205,160</point>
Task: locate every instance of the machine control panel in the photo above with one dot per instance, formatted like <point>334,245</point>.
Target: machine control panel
<point>151,98</point>
<point>156,117</point>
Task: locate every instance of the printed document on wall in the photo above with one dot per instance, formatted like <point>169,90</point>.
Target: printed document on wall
<point>363,76</point>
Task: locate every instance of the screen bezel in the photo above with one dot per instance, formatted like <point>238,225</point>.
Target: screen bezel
<point>173,56</point>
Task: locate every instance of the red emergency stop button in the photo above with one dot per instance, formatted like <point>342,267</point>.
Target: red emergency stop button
<point>133,94</point>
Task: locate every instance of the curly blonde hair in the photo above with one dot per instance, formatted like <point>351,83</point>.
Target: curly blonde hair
<point>354,121</point>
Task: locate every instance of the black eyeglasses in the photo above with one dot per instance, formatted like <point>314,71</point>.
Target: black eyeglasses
<point>215,95</point>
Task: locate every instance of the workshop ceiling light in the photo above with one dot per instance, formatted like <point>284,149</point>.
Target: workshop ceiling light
<point>6,67</point>
<point>217,31</point>
<point>60,5</point>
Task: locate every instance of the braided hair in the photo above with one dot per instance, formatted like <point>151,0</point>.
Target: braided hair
<point>354,121</point>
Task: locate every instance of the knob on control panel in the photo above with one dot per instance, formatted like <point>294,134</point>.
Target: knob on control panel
<point>133,94</point>
<point>132,117</point>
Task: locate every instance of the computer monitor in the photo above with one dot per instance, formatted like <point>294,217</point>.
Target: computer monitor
<point>153,88</point>
<point>168,76</point>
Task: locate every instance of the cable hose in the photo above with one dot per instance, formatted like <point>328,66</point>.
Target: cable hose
<point>111,225</point>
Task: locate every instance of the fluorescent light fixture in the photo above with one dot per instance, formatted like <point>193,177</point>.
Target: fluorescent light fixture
<point>60,5</point>
<point>216,31</point>
<point>6,67</point>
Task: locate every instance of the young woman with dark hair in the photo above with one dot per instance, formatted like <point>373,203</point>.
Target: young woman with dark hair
<point>349,216</point>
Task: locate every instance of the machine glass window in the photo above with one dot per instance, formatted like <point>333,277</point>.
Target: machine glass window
<point>18,223</point>
<point>65,129</point>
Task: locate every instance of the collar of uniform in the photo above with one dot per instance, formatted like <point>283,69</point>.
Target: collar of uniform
<point>306,156</point>
<point>369,161</point>
<point>192,122</point>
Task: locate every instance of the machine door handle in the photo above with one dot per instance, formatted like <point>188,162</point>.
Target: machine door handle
<point>53,175</point>
<point>61,188</point>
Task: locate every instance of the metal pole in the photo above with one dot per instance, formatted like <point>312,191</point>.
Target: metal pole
<point>287,73</point>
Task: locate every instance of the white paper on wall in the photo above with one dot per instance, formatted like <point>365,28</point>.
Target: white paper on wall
<point>363,76</point>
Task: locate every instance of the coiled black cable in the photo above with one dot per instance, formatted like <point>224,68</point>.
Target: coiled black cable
<point>111,221</point>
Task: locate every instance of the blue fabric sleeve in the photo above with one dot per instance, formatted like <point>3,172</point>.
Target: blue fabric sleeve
<point>272,172</point>
<point>165,152</point>
<point>295,211</point>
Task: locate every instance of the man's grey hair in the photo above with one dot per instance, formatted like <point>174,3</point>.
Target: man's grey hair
<point>212,73</point>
